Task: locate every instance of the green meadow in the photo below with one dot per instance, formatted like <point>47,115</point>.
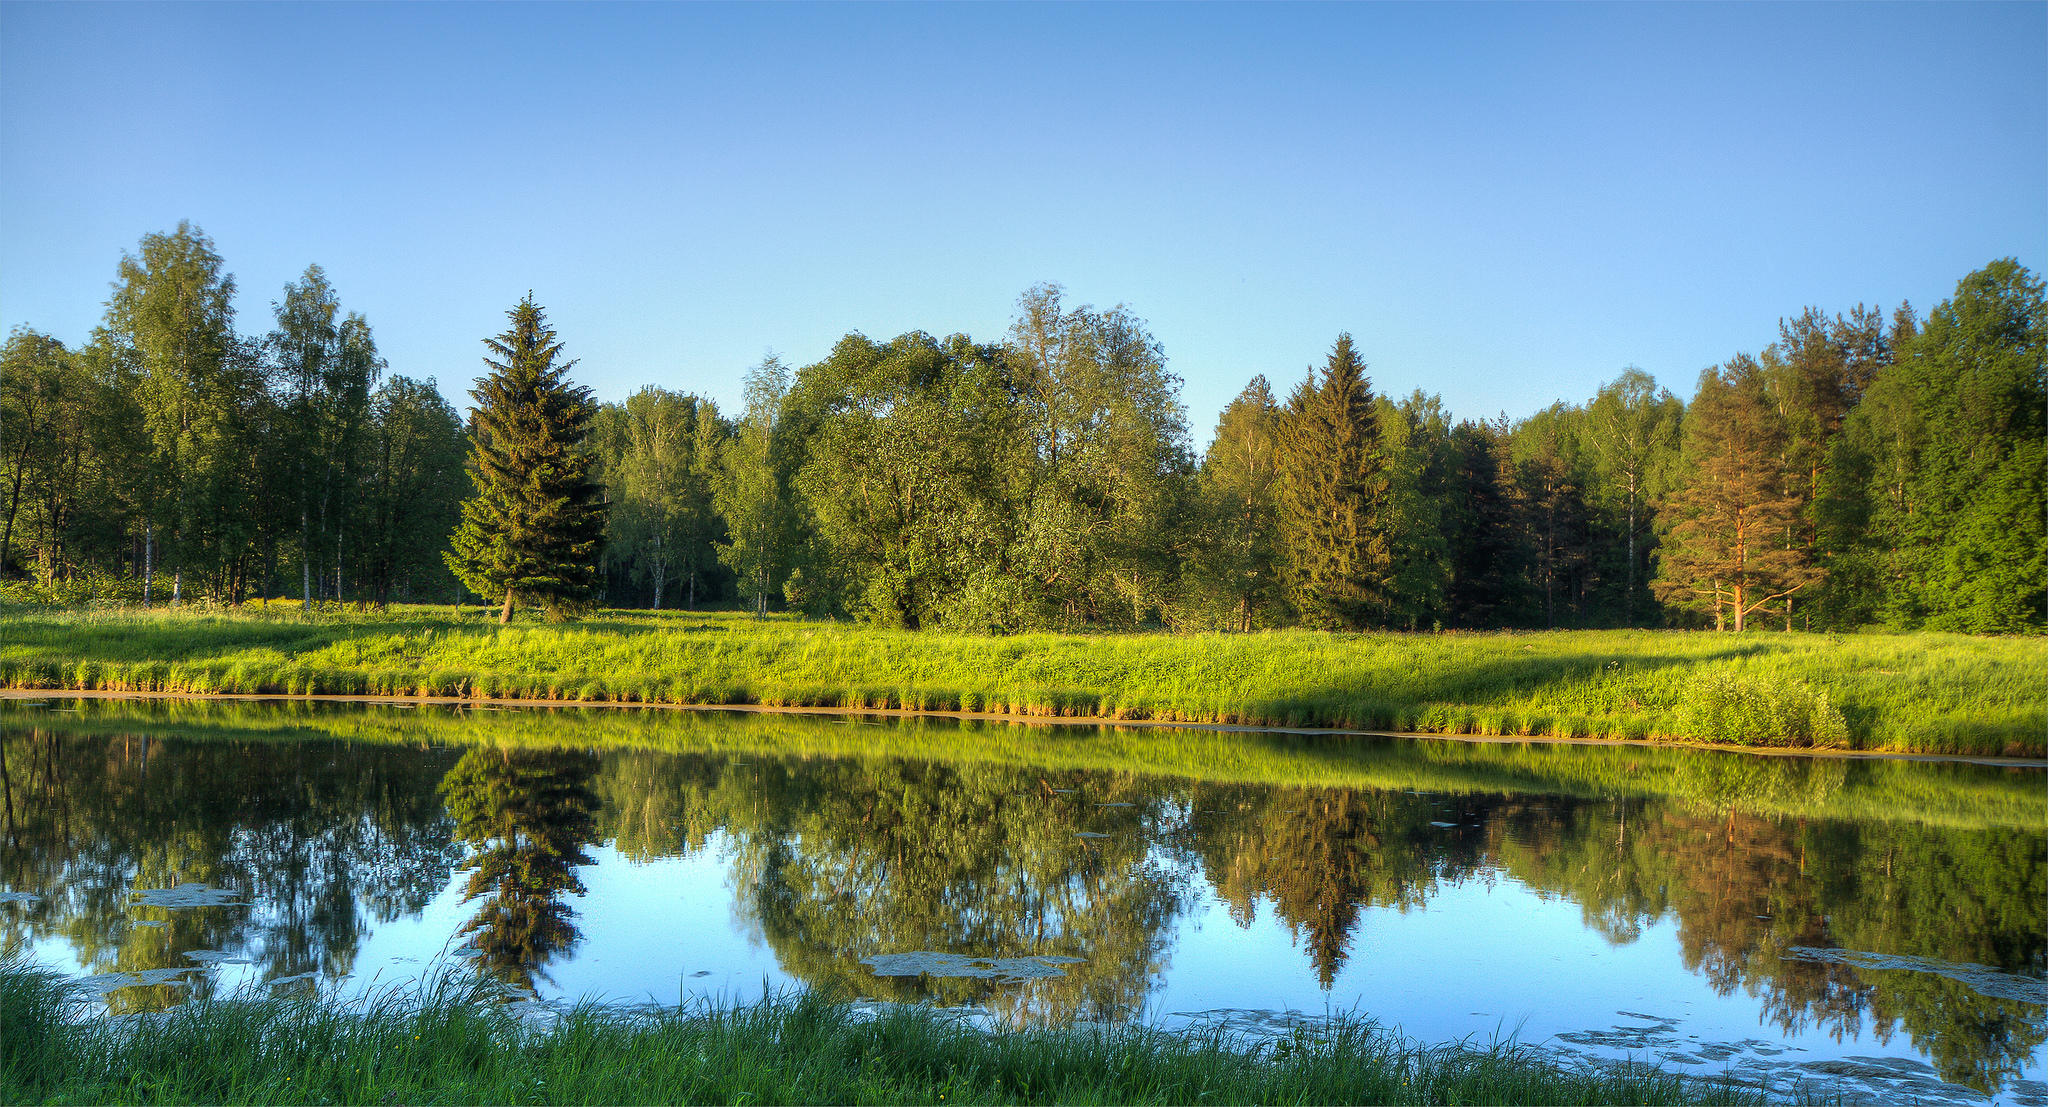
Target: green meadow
<point>1921,692</point>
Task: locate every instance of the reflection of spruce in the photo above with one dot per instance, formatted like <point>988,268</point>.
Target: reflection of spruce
<point>527,814</point>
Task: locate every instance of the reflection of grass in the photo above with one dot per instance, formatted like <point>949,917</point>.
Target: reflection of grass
<point>1930,692</point>
<point>444,1046</point>
<point>1956,795</point>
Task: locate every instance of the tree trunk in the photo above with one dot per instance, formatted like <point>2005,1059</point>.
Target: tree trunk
<point>148,560</point>
<point>13,503</point>
<point>505,616</point>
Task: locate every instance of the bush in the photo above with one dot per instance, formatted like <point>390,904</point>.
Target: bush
<point>1759,711</point>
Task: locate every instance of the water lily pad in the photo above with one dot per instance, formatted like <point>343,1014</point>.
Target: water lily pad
<point>107,982</point>
<point>1088,834</point>
<point>186,895</point>
<point>215,957</point>
<point>1005,969</point>
<point>26,899</point>
<point>1982,979</point>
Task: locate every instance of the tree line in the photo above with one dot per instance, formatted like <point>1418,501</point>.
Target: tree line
<point>1865,468</point>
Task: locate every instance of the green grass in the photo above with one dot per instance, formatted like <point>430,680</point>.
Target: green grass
<point>446,1044</point>
<point>1934,693</point>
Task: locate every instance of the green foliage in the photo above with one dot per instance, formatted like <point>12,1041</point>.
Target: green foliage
<point>324,367</point>
<point>169,339</point>
<point>1333,492</point>
<point>1748,711</point>
<point>411,494</point>
<point>905,480</point>
<point>751,489</point>
<point>660,457</point>
<point>1232,576</point>
<point>1104,472</point>
<point>1732,548</point>
<point>535,526</point>
<point>1851,475</point>
<point>1943,460</point>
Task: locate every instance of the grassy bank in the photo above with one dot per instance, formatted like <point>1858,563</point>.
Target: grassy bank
<point>1924,692</point>
<point>1962,796</point>
<point>447,1047</point>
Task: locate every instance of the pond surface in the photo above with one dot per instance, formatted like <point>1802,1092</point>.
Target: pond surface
<point>1883,924</point>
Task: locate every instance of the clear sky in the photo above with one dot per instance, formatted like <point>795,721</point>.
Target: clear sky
<point>1505,204</point>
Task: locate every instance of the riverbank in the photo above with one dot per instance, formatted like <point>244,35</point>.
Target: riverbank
<point>451,1045</point>
<point>1920,693</point>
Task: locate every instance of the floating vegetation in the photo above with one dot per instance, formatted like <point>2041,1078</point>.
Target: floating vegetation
<point>1008,970</point>
<point>26,899</point>
<point>1089,834</point>
<point>106,982</point>
<point>1982,979</point>
<point>186,895</point>
<point>215,957</point>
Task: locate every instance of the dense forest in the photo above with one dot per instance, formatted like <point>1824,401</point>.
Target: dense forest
<point>1869,468</point>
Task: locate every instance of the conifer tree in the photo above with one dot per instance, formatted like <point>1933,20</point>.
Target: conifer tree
<point>535,527</point>
<point>1733,547</point>
<point>1333,490</point>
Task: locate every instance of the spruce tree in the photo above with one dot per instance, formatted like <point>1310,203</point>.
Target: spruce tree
<point>535,527</point>
<point>1333,491</point>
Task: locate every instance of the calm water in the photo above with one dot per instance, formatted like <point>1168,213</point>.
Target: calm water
<point>1778,918</point>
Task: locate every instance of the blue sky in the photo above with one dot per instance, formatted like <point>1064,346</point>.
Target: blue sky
<point>1505,204</point>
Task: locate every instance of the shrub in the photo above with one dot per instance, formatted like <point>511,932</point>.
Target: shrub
<point>1753,711</point>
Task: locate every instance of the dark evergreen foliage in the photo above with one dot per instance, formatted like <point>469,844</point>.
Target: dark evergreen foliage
<point>535,527</point>
<point>1333,490</point>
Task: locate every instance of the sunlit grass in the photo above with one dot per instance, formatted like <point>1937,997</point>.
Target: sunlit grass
<point>445,1045</point>
<point>1921,692</point>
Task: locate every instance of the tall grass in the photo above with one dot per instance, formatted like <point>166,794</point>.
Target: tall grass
<point>440,1045</point>
<point>1936,693</point>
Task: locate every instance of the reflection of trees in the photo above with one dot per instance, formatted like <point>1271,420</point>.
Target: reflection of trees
<point>866,857</point>
<point>1745,889</point>
<point>835,858</point>
<point>1321,856</point>
<point>322,838</point>
<point>526,814</point>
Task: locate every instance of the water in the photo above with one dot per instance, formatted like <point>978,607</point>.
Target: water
<point>1686,907</point>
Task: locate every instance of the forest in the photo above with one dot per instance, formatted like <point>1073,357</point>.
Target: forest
<point>1870,468</point>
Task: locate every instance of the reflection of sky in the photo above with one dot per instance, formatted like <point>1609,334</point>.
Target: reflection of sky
<point>1487,957</point>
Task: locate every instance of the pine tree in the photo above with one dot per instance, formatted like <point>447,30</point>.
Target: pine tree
<point>1333,491</point>
<point>1734,545</point>
<point>535,526</point>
